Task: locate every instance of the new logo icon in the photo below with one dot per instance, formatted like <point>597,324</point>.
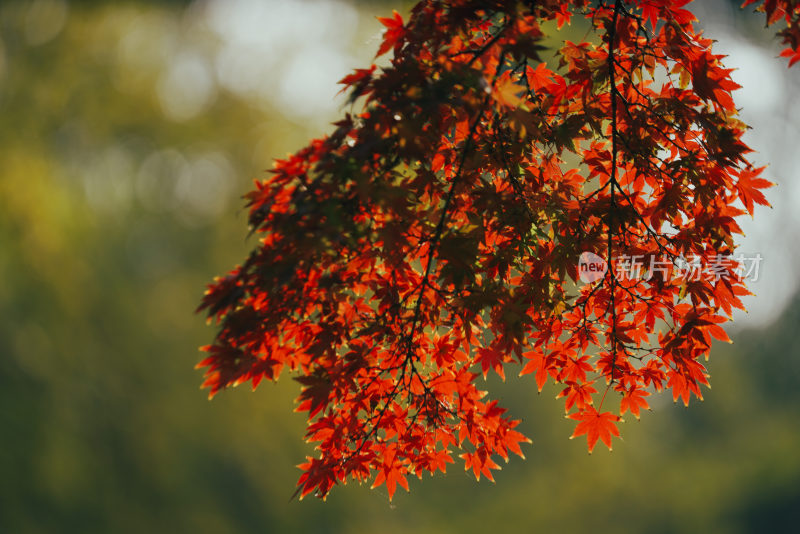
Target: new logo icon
<point>591,267</point>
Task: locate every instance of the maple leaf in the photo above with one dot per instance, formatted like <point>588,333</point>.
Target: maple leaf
<point>392,472</point>
<point>578,396</point>
<point>793,55</point>
<point>633,400</point>
<point>749,185</point>
<point>357,82</point>
<point>316,477</point>
<point>315,394</point>
<point>491,359</point>
<point>481,463</point>
<point>595,425</point>
<point>393,33</point>
<point>563,16</point>
<point>539,77</point>
<point>508,93</point>
<point>651,11</point>
<point>538,364</point>
<point>357,76</point>
<point>511,442</point>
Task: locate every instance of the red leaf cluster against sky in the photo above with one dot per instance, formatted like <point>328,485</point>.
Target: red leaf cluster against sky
<point>434,236</point>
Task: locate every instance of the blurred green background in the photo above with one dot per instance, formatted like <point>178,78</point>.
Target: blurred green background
<point>128,133</point>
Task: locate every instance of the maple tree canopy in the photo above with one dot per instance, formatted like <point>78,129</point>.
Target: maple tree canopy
<point>434,237</point>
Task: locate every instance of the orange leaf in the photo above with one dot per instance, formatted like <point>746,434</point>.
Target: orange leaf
<point>392,34</point>
<point>633,401</point>
<point>507,93</point>
<point>595,426</point>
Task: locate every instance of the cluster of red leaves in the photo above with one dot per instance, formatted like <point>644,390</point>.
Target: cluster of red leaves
<point>788,12</point>
<point>434,237</point>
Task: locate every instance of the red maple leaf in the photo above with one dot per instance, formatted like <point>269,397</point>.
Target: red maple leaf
<point>595,425</point>
<point>392,472</point>
<point>749,186</point>
<point>392,34</point>
<point>633,400</point>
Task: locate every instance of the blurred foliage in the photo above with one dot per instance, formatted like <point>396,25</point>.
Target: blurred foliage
<point>113,216</point>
